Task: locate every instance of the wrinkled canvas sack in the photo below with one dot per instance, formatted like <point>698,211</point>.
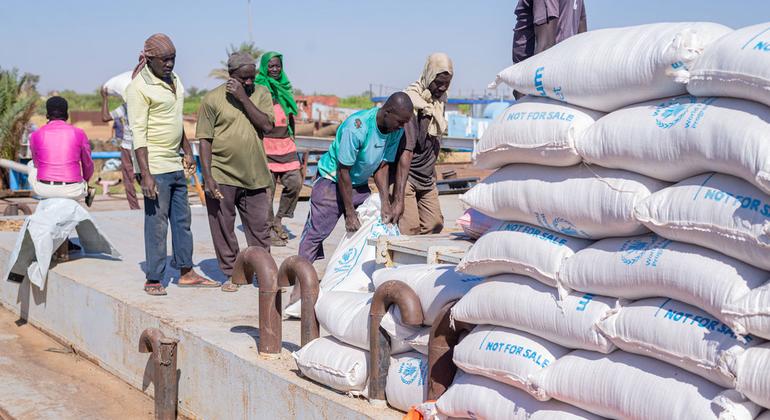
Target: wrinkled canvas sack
<point>735,65</point>
<point>477,397</point>
<point>521,248</point>
<point>581,201</point>
<point>435,284</point>
<point>650,266</point>
<point>676,138</point>
<point>334,364</point>
<point>753,377</point>
<point>679,334</point>
<point>527,305</point>
<point>607,69</point>
<point>628,386</point>
<point>407,383</point>
<point>716,211</point>
<point>351,266</point>
<point>506,355</point>
<point>534,130</point>
<point>752,312</point>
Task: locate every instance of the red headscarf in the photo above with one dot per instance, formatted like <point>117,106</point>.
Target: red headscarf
<point>158,45</point>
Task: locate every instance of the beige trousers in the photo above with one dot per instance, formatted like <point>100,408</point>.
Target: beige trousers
<point>422,212</point>
<point>73,191</point>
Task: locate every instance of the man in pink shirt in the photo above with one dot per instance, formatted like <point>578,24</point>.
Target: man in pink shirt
<point>62,156</point>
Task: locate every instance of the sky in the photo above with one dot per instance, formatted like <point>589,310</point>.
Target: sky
<point>338,47</point>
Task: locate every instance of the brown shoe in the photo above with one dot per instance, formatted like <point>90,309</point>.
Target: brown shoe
<point>193,279</point>
<point>281,232</point>
<point>90,196</point>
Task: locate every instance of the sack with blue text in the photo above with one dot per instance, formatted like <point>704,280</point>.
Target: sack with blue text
<point>675,138</point>
<point>736,65</point>
<point>534,130</point>
<point>351,266</point>
<point>607,69</point>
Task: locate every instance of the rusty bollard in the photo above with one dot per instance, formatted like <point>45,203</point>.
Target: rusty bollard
<point>389,293</point>
<point>257,260</point>
<point>441,343</point>
<point>163,356</point>
<point>299,272</point>
<point>13,209</point>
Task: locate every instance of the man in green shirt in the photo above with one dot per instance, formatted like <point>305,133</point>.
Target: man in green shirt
<point>232,120</point>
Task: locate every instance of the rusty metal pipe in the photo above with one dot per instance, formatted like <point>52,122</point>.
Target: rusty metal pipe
<point>163,356</point>
<point>257,260</point>
<point>389,293</point>
<point>441,343</point>
<point>299,272</point>
<point>13,209</point>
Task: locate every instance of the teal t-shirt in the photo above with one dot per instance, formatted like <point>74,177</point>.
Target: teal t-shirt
<point>360,145</point>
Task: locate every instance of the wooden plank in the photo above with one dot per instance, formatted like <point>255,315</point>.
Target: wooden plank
<point>444,248</point>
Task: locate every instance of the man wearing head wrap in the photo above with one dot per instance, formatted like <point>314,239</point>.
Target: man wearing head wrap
<point>279,143</point>
<point>155,98</point>
<point>416,204</point>
<point>232,121</point>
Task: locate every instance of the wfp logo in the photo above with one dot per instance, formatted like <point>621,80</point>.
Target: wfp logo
<point>561,225</point>
<point>413,370</point>
<point>649,248</point>
<point>539,81</point>
<point>671,112</point>
<point>347,260</point>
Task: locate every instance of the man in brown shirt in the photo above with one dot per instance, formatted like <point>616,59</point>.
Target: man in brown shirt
<point>232,121</point>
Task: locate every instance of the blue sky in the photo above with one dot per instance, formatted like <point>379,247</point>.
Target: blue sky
<point>338,46</point>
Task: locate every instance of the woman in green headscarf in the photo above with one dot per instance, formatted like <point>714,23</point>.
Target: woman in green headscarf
<point>279,142</point>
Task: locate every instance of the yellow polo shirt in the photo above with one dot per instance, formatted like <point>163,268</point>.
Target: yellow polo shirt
<point>155,118</point>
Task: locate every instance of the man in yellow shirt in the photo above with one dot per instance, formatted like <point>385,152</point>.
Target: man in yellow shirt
<point>155,97</point>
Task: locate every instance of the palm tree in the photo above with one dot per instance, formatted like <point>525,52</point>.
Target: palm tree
<point>18,98</point>
<point>247,47</point>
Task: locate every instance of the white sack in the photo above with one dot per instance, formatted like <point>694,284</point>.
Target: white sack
<point>610,68</point>
<point>627,386</point>
<point>716,211</point>
<point>117,85</point>
<point>534,130</point>
<point>520,248</point>
<point>407,383</point>
<point>506,355</point>
<point>476,397</point>
<point>53,221</point>
<point>752,312</point>
<point>736,65</point>
<point>334,364</point>
<point>351,266</point>
<point>764,416</point>
<point>676,138</point>
<point>679,334</point>
<point>475,223</point>
<point>435,284</point>
<point>581,201</point>
<point>754,374</point>
<point>527,305</point>
<point>345,315</point>
<point>649,266</point>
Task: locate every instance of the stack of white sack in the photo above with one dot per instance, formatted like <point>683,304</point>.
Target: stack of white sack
<point>736,65</point>
<point>753,377</point>
<point>351,266</point>
<point>649,266</point>
<point>611,68</point>
<point>580,201</point>
<point>627,386</point>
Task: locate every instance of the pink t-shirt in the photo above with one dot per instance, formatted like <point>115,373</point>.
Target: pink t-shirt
<point>61,153</point>
<point>282,151</point>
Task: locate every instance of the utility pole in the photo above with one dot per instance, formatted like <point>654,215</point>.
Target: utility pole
<point>248,12</point>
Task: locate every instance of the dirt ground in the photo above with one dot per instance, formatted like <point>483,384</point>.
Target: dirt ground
<point>41,379</point>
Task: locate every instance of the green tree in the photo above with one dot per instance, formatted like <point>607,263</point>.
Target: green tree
<point>17,104</point>
<point>221,73</point>
<point>362,101</point>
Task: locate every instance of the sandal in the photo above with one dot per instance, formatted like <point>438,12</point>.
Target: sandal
<point>155,289</point>
<point>197,281</point>
<point>229,286</point>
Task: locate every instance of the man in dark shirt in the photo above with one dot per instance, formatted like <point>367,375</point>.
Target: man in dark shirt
<point>541,24</point>
<point>416,196</point>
